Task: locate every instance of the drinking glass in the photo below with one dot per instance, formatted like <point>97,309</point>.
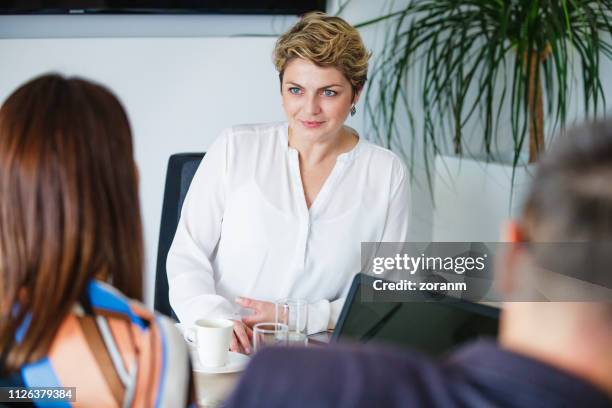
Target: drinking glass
<point>269,334</point>
<point>294,314</point>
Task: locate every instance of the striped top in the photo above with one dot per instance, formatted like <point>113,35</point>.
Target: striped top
<point>116,353</point>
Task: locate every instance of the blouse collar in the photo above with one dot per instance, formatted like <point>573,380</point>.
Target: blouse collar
<point>342,157</point>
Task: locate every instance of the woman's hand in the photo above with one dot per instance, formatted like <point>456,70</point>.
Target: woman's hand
<point>241,338</point>
<point>262,311</point>
<point>242,335</point>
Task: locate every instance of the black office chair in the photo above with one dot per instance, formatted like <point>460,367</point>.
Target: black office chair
<point>181,169</point>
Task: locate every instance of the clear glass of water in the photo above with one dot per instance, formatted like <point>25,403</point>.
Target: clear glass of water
<point>269,334</point>
<point>294,314</point>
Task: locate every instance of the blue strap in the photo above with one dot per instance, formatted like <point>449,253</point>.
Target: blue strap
<point>102,297</point>
<point>41,374</point>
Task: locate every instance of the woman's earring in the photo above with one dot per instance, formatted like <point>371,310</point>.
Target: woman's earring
<point>353,110</point>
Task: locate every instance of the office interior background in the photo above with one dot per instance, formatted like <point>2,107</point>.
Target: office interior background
<point>183,78</point>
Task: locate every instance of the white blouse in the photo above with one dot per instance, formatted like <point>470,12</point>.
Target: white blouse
<point>245,229</point>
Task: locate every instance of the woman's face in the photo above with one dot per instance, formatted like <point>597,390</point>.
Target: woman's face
<point>316,99</point>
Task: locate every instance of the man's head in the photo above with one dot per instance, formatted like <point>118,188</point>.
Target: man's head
<point>565,227</point>
<point>556,271</point>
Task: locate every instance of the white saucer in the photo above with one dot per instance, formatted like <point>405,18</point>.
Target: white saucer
<point>236,362</point>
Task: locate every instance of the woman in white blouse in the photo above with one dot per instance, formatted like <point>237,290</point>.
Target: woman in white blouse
<point>280,210</point>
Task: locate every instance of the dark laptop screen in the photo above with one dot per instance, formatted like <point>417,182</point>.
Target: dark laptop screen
<point>432,327</point>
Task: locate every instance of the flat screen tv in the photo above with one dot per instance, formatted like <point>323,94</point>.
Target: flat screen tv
<point>295,7</point>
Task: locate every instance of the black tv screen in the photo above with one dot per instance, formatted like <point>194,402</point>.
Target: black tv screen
<point>295,7</point>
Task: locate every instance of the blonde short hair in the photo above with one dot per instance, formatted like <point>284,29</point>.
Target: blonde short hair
<point>328,42</point>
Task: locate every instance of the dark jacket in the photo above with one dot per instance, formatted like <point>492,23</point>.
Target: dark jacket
<point>478,375</point>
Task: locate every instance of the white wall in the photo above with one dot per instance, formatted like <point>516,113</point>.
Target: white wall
<point>130,26</point>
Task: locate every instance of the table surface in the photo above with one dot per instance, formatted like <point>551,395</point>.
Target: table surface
<point>212,389</point>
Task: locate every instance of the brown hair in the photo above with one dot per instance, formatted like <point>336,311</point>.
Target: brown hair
<point>326,41</point>
<point>69,208</point>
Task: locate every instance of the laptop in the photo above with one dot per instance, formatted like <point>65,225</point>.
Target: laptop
<point>432,327</point>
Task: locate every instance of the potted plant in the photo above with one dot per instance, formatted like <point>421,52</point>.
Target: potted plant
<point>495,67</point>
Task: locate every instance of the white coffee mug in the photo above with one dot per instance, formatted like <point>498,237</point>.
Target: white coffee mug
<point>212,340</point>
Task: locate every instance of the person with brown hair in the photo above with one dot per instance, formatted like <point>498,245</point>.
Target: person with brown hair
<point>280,210</point>
<point>69,229</point>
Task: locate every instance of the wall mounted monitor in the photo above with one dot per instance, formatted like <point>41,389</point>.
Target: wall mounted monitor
<point>295,7</point>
